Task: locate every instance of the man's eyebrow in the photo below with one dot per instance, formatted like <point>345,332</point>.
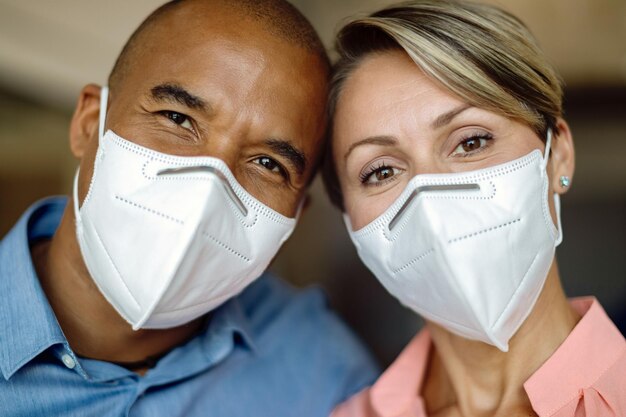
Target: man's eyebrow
<point>176,93</point>
<point>373,140</point>
<point>294,155</point>
<point>447,117</point>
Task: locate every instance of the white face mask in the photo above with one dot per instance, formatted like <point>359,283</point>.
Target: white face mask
<point>469,251</point>
<point>169,238</point>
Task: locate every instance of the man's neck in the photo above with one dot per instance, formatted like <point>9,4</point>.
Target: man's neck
<point>91,325</point>
<point>477,379</point>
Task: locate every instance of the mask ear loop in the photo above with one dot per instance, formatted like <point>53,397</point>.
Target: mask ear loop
<point>557,208</point>
<point>75,196</point>
<point>104,101</point>
<point>557,199</point>
<point>300,208</point>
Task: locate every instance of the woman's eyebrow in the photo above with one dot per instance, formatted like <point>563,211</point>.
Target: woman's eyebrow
<point>445,118</point>
<point>175,93</point>
<point>373,140</point>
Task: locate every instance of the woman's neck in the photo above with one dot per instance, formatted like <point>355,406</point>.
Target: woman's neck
<point>478,379</point>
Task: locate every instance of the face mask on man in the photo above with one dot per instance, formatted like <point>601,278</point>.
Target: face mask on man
<point>469,251</point>
<point>169,238</point>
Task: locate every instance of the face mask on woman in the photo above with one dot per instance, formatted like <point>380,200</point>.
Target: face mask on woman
<point>469,251</point>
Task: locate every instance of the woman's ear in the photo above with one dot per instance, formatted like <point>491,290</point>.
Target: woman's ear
<point>84,124</point>
<point>562,159</point>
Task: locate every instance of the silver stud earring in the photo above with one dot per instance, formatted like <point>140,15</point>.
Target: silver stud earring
<point>564,181</point>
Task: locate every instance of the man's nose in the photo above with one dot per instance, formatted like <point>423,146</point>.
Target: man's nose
<point>226,147</point>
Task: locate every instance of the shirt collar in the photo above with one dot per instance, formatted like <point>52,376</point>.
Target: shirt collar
<point>27,322</point>
<point>396,390</point>
<point>592,347</point>
<point>229,321</point>
<point>227,328</point>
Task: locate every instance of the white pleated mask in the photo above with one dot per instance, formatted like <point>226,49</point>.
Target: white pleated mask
<point>169,238</point>
<point>469,251</point>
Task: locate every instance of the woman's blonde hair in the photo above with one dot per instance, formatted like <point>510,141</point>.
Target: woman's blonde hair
<point>480,53</point>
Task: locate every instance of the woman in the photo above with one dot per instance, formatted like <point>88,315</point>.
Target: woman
<point>448,156</point>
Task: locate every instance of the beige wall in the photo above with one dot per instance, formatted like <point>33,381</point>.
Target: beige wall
<point>49,49</point>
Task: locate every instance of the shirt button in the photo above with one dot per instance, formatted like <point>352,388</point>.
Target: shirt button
<point>68,361</point>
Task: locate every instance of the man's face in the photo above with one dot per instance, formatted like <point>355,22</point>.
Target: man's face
<point>211,83</point>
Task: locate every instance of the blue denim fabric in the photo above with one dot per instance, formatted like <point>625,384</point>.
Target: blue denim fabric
<point>271,351</point>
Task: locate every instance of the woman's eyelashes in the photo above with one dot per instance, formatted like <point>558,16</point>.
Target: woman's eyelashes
<point>379,173</point>
<point>472,144</point>
<point>178,119</point>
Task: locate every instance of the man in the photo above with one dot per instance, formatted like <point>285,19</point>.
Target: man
<point>126,299</point>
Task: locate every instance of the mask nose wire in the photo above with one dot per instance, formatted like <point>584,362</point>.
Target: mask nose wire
<point>429,188</point>
<point>214,171</point>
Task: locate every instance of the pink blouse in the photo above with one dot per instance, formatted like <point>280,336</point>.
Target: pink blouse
<point>584,377</point>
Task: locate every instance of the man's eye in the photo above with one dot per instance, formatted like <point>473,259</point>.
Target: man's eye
<point>180,119</point>
<point>472,145</point>
<point>271,165</point>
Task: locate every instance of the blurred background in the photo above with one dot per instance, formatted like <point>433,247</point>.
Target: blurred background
<point>50,49</point>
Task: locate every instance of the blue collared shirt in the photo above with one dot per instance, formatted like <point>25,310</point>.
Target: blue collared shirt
<point>271,351</point>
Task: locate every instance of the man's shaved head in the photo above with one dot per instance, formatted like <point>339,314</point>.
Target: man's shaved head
<point>277,17</point>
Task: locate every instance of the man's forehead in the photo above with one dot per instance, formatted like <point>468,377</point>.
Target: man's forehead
<point>198,21</point>
<point>206,26</point>
<point>188,36</point>
<point>239,19</point>
<point>277,17</point>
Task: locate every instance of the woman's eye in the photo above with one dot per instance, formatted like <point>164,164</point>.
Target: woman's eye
<point>379,175</point>
<point>471,145</point>
<point>271,165</point>
<point>180,119</point>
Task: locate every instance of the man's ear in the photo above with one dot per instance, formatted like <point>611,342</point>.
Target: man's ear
<point>562,152</point>
<point>84,125</point>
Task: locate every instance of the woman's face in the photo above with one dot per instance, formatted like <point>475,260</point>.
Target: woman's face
<point>393,123</point>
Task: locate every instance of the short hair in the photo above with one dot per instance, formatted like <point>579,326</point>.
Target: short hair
<point>479,52</point>
<point>279,18</point>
